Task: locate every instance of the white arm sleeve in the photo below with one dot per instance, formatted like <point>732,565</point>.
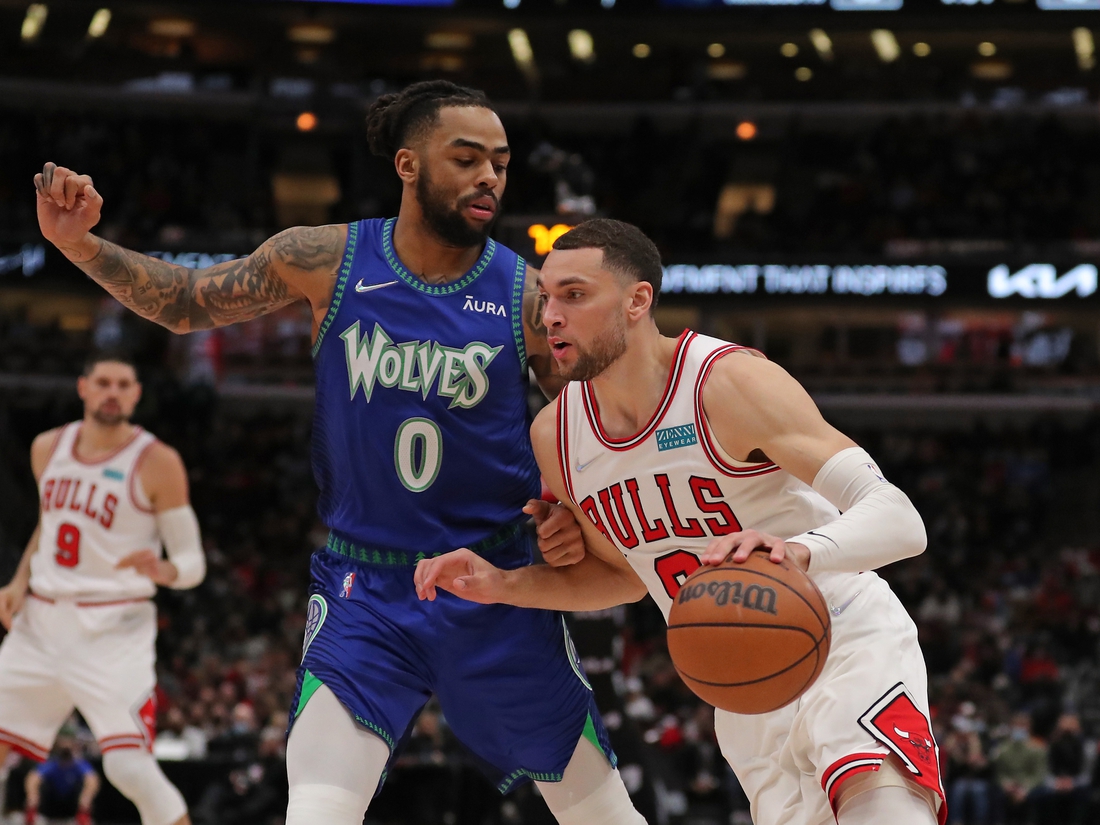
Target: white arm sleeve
<point>878,525</point>
<point>179,529</point>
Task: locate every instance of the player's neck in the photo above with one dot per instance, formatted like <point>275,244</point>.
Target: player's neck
<point>424,254</point>
<point>96,439</point>
<point>630,390</point>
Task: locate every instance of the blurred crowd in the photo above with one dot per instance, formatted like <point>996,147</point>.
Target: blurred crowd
<point>870,187</point>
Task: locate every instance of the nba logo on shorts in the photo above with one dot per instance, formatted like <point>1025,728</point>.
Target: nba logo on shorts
<point>349,580</point>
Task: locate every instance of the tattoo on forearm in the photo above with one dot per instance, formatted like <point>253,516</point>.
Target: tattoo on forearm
<point>184,300</point>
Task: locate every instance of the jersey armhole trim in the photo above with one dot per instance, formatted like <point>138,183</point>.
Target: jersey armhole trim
<point>56,443</point>
<point>517,313</point>
<point>341,284</point>
<point>563,442</point>
<point>706,438</point>
<point>135,478</point>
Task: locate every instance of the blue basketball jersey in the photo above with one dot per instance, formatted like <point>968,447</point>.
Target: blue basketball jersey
<point>420,434</point>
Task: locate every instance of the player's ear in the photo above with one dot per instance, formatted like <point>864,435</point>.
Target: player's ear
<point>641,300</point>
<point>407,163</point>
<point>82,386</point>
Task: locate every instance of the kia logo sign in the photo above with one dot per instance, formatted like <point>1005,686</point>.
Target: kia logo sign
<point>1042,281</point>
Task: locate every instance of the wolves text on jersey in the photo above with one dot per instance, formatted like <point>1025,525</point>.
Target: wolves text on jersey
<point>62,493</point>
<point>417,366</point>
<point>627,526</point>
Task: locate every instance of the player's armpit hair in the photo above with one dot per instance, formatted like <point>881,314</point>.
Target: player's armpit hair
<point>395,120</point>
<point>878,525</point>
<point>179,529</point>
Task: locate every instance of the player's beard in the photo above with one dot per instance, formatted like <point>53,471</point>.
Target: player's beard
<point>447,222</point>
<point>112,419</point>
<point>605,349</point>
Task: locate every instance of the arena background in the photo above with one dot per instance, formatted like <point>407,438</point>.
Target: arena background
<point>897,200</point>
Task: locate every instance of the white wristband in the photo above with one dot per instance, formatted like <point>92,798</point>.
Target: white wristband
<point>878,525</point>
<point>179,530</point>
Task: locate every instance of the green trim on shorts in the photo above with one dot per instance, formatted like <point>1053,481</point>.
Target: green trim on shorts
<point>310,683</point>
<point>379,557</point>
<point>516,775</point>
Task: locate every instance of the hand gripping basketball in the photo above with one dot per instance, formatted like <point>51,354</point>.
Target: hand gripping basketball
<point>749,637</point>
<point>742,544</point>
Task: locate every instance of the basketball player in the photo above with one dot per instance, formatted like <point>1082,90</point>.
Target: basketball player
<point>79,611</point>
<point>424,330</point>
<point>679,452</point>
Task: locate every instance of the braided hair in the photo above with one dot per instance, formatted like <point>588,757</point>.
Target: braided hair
<point>396,120</point>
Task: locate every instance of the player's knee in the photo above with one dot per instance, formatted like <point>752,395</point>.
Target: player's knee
<point>139,778</point>
<point>609,803</point>
<point>310,804</point>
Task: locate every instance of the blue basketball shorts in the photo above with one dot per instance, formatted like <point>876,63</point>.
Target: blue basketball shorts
<point>508,679</point>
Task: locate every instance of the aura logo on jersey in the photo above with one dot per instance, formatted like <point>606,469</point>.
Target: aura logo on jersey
<point>753,597</point>
<point>418,366</point>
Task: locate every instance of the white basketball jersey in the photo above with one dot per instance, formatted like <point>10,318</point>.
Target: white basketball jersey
<point>661,495</point>
<point>92,515</point>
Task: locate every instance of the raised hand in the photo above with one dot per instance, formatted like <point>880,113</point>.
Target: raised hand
<point>68,208</point>
<point>560,538</point>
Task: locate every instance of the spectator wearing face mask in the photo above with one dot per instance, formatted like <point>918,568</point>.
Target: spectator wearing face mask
<point>1065,796</point>
<point>1020,765</point>
<point>63,787</point>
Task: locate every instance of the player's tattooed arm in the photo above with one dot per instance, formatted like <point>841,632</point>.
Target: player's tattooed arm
<point>539,359</point>
<point>185,300</point>
<point>299,263</point>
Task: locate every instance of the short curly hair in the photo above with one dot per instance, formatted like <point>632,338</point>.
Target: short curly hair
<point>626,249</point>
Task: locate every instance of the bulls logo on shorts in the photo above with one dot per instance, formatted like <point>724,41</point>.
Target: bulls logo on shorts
<point>897,722</point>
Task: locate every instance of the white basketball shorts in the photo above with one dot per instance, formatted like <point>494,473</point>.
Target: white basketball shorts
<point>97,658</point>
<point>871,700</point>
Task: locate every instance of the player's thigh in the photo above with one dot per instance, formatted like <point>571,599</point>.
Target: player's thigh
<point>513,690</point>
<point>759,749</point>
<point>111,675</point>
<point>870,700</point>
<point>33,700</point>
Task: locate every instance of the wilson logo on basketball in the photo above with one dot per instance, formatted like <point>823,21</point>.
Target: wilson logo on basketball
<point>753,597</point>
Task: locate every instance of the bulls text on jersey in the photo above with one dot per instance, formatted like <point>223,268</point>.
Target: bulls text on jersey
<point>65,494</point>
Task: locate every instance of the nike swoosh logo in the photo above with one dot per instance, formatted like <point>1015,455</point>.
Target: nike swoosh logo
<point>360,287</point>
<point>580,468</point>
<point>836,611</point>
<point>820,536</point>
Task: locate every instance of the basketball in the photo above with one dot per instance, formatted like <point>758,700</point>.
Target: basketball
<point>751,637</point>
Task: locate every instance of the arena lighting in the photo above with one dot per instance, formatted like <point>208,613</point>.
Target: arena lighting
<point>803,73</point>
<point>581,46</point>
<point>886,45</point>
<point>311,34</point>
<point>716,50</point>
<point>823,43</point>
<point>607,4</point>
<point>922,49</point>
<point>641,50</point>
<point>1085,47</point>
<point>789,50</point>
<point>172,27</point>
<point>306,122</point>
<point>746,130</point>
<point>987,49</point>
<point>33,22</point>
<point>511,4</point>
<point>521,51</point>
<point>100,21</point>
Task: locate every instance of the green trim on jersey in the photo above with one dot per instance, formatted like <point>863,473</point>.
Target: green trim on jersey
<point>341,283</point>
<point>517,312</point>
<point>428,289</point>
